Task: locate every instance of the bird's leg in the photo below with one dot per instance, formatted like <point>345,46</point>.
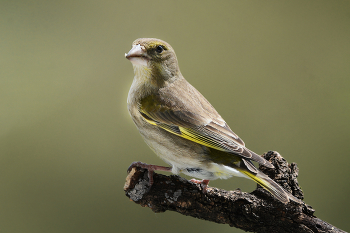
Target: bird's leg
<point>203,183</point>
<point>151,168</point>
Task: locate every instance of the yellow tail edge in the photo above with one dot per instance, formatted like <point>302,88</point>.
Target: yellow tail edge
<point>271,186</point>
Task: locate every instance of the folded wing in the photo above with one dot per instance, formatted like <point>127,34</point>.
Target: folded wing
<point>197,121</point>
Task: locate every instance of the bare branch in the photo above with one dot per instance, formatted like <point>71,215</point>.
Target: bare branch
<point>256,212</point>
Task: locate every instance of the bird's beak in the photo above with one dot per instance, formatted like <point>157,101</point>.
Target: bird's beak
<point>137,55</point>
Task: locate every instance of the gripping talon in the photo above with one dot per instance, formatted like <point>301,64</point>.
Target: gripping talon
<point>151,168</point>
<point>203,183</point>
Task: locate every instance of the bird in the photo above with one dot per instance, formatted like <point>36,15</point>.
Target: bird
<point>180,125</point>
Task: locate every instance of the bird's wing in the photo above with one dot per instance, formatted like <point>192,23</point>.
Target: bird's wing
<point>194,119</point>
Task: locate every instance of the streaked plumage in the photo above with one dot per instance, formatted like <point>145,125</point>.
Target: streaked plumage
<point>181,126</point>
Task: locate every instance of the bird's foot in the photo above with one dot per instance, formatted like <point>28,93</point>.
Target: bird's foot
<point>151,168</point>
<point>203,183</point>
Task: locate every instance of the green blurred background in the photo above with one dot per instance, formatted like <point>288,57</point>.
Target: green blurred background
<point>277,71</point>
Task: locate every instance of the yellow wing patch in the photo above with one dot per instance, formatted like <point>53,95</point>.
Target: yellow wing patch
<point>191,134</point>
<point>200,138</point>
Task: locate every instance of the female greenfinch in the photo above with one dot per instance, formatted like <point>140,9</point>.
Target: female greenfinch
<point>182,127</point>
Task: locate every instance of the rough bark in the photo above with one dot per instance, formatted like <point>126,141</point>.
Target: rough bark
<point>255,212</point>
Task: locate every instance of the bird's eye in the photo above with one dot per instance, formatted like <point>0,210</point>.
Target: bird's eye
<point>159,49</point>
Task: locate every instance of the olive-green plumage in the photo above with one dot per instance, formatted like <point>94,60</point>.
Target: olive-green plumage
<point>181,126</point>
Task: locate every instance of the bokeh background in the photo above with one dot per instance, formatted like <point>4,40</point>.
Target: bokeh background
<point>277,71</point>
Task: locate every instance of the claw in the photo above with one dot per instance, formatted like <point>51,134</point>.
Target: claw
<point>151,168</point>
<point>203,183</point>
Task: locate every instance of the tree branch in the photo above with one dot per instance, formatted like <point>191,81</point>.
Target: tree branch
<point>256,212</point>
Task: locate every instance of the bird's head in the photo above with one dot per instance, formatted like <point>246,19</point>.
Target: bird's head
<point>155,57</point>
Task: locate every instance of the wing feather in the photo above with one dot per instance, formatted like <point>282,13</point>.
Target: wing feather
<point>194,119</point>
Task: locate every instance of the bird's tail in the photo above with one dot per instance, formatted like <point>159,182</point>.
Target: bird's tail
<point>270,185</point>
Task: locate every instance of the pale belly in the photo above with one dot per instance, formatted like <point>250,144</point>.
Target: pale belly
<point>186,157</point>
